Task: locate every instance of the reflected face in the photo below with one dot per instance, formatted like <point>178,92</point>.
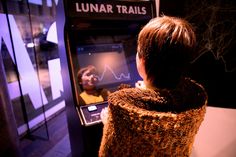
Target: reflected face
<point>89,80</point>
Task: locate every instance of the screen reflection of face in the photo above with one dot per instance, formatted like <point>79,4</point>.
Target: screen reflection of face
<point>89,80</point>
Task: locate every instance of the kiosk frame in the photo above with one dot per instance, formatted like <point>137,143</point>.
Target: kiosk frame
<point>67,17</point>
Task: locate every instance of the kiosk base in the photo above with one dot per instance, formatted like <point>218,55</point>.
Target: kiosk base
<point>92,139</point>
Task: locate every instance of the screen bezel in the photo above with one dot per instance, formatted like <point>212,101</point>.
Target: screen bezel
<point>125,32</point>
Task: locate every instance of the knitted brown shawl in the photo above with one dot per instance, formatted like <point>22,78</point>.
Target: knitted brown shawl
<point>153,122</point>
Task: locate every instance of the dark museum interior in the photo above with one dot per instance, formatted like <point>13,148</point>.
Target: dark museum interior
<point>47,48</point>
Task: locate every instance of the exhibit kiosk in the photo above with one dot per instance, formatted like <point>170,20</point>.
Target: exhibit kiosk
<point>101,34</point>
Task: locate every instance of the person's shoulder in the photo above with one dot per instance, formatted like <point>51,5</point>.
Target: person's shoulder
<point>193,92</point>
<point>194,85</point>
<point>132,94</point>
<point>127,91</point>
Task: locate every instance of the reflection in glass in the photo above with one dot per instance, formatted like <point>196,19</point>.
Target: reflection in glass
<point>32,90</point>
<point>88,80</point>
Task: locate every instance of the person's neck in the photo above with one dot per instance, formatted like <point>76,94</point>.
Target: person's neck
<point>91,91</point>
<point>148,85</point>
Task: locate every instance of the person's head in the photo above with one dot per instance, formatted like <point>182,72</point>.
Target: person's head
<point>87,77</point>
<point>165,47</point>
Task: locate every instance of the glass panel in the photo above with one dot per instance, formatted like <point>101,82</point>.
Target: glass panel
<point>12,83</point>
<point>35,54</point>
<point>44,35</point>
<point>23,60</point>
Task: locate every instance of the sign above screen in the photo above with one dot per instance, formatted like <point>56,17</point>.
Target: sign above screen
<point>111,9</point>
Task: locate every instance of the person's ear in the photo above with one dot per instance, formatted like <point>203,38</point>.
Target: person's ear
<point>140,63</point>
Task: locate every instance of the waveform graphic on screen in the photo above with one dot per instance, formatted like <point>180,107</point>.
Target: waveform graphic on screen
<point>108,69</point>
<point>109,60</point>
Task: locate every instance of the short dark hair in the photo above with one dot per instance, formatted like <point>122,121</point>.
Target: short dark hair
<point>82,70</point>
<point>166,44</point>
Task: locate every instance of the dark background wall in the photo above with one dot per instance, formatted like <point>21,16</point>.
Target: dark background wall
<point>215,26</point>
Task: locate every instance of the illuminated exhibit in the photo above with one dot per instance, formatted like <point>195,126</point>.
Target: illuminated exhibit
<point>101,50</point>
<point>61,59</point>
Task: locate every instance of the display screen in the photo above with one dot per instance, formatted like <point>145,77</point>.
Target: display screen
<point>103,61</point>
<point>109,60</point>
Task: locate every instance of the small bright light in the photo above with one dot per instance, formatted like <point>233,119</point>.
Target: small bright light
<point>89,54</point>
<point>30,45</point>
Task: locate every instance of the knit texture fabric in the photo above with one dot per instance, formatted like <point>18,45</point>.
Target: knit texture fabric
<point>148,122</point>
